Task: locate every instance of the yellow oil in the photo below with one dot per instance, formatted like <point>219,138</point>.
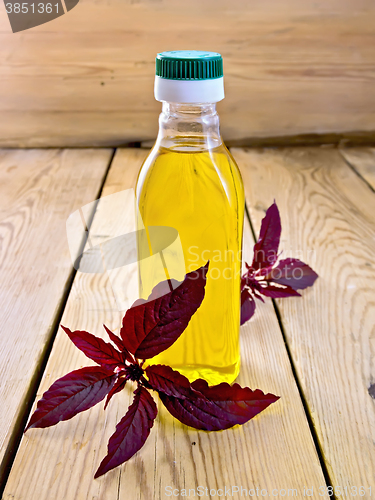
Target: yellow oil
<point>199,193</point>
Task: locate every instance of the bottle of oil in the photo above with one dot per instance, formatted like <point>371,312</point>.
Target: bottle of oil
<point>191,183</point>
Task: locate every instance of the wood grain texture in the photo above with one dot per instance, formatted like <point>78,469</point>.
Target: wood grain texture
<point>275,450</point>
<point>363,161</point>
<point>86,78</point>
<point>38,190</point>
<point>328,220</point>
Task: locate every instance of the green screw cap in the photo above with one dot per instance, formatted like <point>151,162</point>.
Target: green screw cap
<point>189,65</point>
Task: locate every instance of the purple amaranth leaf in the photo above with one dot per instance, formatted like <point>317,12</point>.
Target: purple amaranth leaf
<point>247,306</point>
<point>153,326</point>
<point>294,273</point>
<point>249,280</point>
<point>131,432</point>
<point>119,343</point>
<point>115,339</point>
<point>239,402</point>
<point>279,291</point>
<point>95,348</point>
<point>162,288</point>
<point>253,284</point>
<point>207,408</point>
<point>267,246</point>
<point>118,386</point>
<point>171,382</point>
<point>75,392</point>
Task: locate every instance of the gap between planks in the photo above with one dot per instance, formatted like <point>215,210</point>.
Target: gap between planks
<point>302,395</point>
<point>362,162</point>
<point>326,207</point>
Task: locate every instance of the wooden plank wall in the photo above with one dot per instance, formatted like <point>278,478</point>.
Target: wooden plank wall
<point>291,68</point>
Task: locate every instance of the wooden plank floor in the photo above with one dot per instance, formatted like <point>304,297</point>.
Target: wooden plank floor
<point>362,160</point>
<point>328,216</point>
<point>327,212</point>
<point>38,190</point>
<point>168,458</point>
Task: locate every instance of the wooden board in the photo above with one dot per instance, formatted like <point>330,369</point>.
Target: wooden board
<point>363,161</point>
<point>328,220</point>
<point>273,451</point>
<point>38,190</point>
<point>87,78</point>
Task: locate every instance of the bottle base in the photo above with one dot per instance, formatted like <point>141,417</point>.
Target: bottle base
<point>212,375</point>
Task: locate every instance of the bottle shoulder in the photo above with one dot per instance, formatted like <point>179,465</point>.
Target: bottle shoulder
<point>195,170</point>
<point>219,157</point>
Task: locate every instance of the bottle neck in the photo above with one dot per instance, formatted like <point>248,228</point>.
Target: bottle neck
<point>189,127</point>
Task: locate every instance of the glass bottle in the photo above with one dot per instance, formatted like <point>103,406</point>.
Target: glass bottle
<point>190,182</point>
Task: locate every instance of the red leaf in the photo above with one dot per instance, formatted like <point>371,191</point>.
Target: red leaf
<point>152,327</point>
<point>278,291</point>
<point>75,392</point>
<point>164,378</point>
<point>115,339</point>
<point>294,273</point>
<point>203,407</point>
<point>162,288</point>
<point>118,342</point>
<point>119,385</point>
<point>131,432</point>
<point>266,248</point>
<point>247,306</point>
<point>95,348</point>
<point>240,401</point>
